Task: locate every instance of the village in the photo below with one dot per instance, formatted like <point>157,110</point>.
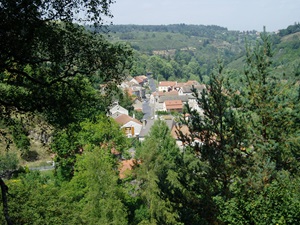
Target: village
<point>160,101</point>
<point>157,100</point>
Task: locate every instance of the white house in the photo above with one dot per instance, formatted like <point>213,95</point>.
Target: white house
<point>131,126</point>
<point>166,85</point>
<point>117,110</point>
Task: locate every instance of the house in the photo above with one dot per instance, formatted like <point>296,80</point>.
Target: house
<point>134,81</point>
<point>166,86</point>
<point>177,131</point>
<point>179,85</point>
<point>147,124</point>
<point>128,84</point>
<point>117,110</point>
<point>131,126</point>
<point>141,80</point>
<point>138,91</point>
<point>192,83</point>
<point>173,106</point>
<point>157,94</point>
<point>185,90</point>
<point>137,105</point>
<point>160,106</point>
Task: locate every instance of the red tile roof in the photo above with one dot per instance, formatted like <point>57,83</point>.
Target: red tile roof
<point>139,79</point>
<point>123,119</point>
<point>173,104</point>
<point>125,166</point>
<point>192,82</point>
<point>167,83</point>
<point>184,129</point>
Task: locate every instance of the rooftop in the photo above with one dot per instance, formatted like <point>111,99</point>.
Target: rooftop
<point>123,119</point>
<point>167,83</point>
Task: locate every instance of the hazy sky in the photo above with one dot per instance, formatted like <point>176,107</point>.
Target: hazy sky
<point>233,14</point>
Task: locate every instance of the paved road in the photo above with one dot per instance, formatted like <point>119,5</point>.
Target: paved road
<point>147,109</point>
<point>152,84</point>
<point>42,168</point>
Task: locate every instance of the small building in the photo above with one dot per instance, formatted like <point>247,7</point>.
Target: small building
<point>166,86</point>
<point>125,167</point>
<point>117,110</point>
<point>173,106</point>
<point>185,90</point>
<point>141,80</point>
<point>147,125</point>
<point>138,91</point>
<point>131,126</point>
<point>176,133</point>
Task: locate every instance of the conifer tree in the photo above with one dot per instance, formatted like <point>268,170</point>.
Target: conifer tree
<point>157,175</point>
<point>220,143</point>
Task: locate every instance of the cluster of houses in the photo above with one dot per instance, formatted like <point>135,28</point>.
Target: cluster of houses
<point>135,86</point>
<point>171,96</point>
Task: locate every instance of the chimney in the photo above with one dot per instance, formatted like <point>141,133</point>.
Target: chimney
<point>133,116</point>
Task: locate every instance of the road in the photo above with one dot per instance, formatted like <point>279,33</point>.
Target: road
<point>147,109</point>
<point>42,168</point>
<point>151,84</point>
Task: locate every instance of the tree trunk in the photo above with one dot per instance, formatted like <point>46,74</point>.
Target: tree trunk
<point>4,191</point>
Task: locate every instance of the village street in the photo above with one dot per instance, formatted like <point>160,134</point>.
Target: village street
<point>148,109</point>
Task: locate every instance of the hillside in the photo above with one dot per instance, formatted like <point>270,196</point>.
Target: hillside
<point>182,52</point>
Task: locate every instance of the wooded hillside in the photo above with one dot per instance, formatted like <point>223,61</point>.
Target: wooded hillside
<point>234,161</point>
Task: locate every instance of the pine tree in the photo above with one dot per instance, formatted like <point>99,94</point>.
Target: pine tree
<point>221,144</point>
<point>157,175</point>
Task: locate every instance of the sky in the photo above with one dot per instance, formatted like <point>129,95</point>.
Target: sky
<point>239,15</point>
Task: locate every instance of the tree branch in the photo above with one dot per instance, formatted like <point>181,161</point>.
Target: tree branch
<point>4,191</point>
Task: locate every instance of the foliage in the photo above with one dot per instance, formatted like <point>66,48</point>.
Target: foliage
<point>89,134</point>
<point>34,200</point>
<point>290,29</point>
<point>102,196</point>
<point>248,149</point>
<point>49,65</point>
<point>157,175</point>
<point>8,162</point>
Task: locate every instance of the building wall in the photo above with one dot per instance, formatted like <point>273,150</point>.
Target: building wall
<point>133,129</point>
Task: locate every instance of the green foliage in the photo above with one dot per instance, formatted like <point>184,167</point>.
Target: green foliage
<point>34,200</point>
<point>277,203</point>
<point>8,162</point>
<point>180,52</point>
<point>157,175</point>
<point>20,137</point>
<point>89,134</point>
<point>290,29</point>
<point>93,196</point>
<point>248,152</point>
<point>275,107</point>
<point>102,197</point>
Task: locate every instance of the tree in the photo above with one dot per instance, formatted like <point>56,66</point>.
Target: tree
<point>248,150</point>
<point>157,175</point>
<point>272,110</point>
<point>219,148</point>
<point>275,108</point>
<point>47,61</point>
<point>102,197</point>
<point>71,142</point>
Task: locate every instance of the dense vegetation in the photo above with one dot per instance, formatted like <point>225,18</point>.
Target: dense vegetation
<point>181,52</point>
<point>241,157</point>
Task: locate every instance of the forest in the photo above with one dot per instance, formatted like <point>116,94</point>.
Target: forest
<point>59,76</point>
